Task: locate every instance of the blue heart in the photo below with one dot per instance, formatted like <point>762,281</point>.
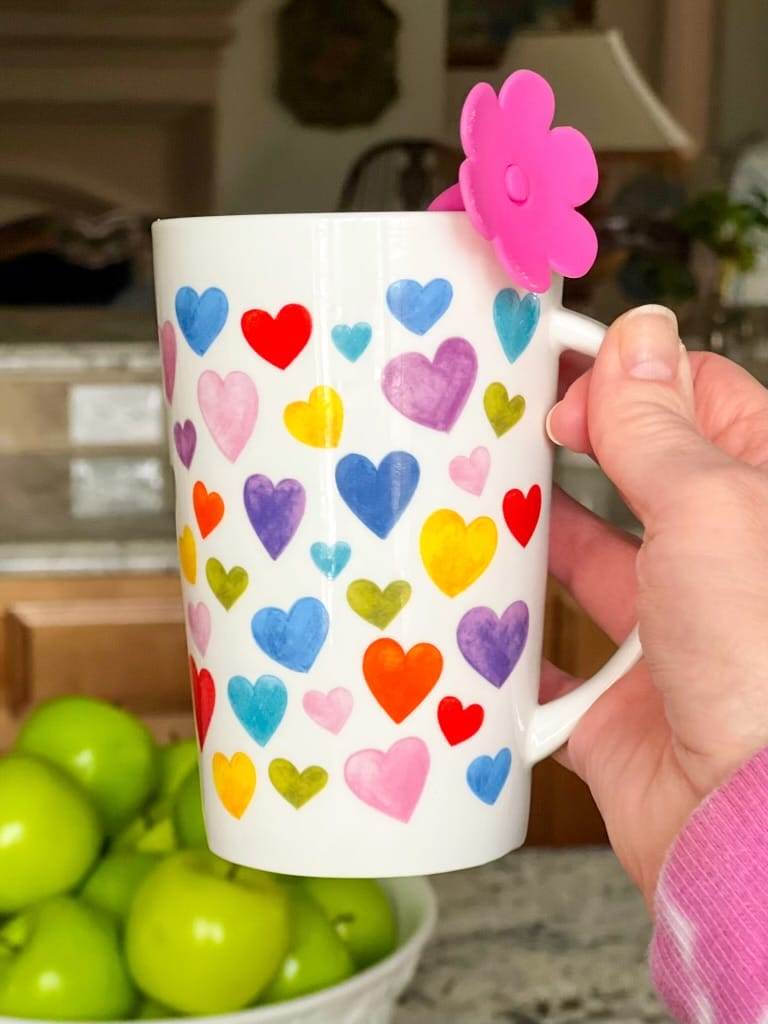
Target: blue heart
<point>486,775</point>
<point>351,341</point>
<point>419,307</point>
<point>201,317</point>
<point>515,321</point>
<point>292,638</point>
<point>330,559</point>
<point>259,706</point>
<point>378,497</point>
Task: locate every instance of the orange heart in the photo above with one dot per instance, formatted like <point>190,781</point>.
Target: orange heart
<point>401,681</point>
<point>235,781</point>
<point>209,508</point>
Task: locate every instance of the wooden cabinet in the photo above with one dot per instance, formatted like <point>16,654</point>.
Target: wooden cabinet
<point>122,638</point>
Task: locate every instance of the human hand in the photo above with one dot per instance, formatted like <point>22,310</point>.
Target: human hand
<point>685,440</point>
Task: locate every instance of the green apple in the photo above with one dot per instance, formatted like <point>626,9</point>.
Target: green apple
<point>176,761</point>
<point>188,813</point>
<point>60,960</point>
<point>50,834</point>
<point>204,936</point>
<point>361,913</point>
<point>112,883</point>
<point>150,1009</point>
<point>151,832</point>
<point>110,752</point>
<point>316,957</point>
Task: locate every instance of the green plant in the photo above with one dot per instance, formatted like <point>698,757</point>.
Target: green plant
<point>728,227</point>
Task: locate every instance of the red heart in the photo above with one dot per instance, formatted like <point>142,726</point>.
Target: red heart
<point>209,508</point>
<point>522,512</point>
<point>401,681</point>
<point>203,699</point>
<point>278,339</point>
<point>458,723</point>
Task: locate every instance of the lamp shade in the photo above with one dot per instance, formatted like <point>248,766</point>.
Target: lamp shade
<point>599,88</point>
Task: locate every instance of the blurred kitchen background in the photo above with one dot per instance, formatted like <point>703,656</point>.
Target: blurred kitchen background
<point>113,114</point>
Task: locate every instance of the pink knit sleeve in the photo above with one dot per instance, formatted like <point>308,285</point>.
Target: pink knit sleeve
<point>709,954</point>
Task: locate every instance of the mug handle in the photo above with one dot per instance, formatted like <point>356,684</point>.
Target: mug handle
<point>553,723</point>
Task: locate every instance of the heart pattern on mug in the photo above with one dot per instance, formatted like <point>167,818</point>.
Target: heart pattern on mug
<point>455,553</point>
<point>203,699</point>
<point>352,340</point>
<point>329,710</point>
<point>260,706</point>
<point>209,508</point>
<point>235,781</point>
<point>515,320</point>
<point>293,638</point>
<point>486,775</point>
<point>521,513</point>
<point>274,511</point>
<point>471,472</point>
<point>419,307</point>
<point>459,723</point>
<point>376,606</point>
<point>279,339</point>
<point>185,440</point>
<point>330,559</point>
<point>201,317</point>
<point>378,495</point>
<point>390,781</point>
<point>168,350</point>
<point>502,411</point>
<point>229,407</point>
<point>432,393</point>
<point>294,786</point>
<point>227,585</point>
<point>188,555</point>
<point>493,645</point>
<point>199,619</point>
<point>317,422</point>
<point>401,681</point>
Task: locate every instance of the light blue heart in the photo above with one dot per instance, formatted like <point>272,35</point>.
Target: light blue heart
<point>515,321</point>
<point>352,341</point>
<point>292,638</point>
<point>201,317</point>
<point>419,307</point>
<point>259,706</point>
<point>486,775</point>
<point>330,559</point>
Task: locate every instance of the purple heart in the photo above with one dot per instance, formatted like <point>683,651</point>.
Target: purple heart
<point>432,393</point>
<point>493,645</point>
<point>185,439</point>
<point>168,354</point>
<point>274,511</point>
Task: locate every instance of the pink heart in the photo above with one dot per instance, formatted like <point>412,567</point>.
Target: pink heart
<point>199,619</point>
<point>390,781</point>
<point>329,710</point>
<point>229,408</point>
<point>168,355</point>
<point>470,473</point>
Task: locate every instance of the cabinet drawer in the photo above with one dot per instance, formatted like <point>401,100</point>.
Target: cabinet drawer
<point>127,650</point>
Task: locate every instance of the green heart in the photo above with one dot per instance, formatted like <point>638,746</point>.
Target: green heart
<point>377,606</point>
<point>297,788</point>
<point>227,586</point>
<point>503,412</point>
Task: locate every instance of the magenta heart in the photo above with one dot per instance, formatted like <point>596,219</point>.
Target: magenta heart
<point>199,619</point>
<point>168,356</point>
<point>390,781</point>
<point>329,710</point>
<point>229,407</point>
<point>470,473</point>
<point>432,393</point>
<point>185,439</point>
<point>493,645</point>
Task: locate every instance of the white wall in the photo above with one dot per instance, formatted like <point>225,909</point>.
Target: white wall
<point>268,161</point>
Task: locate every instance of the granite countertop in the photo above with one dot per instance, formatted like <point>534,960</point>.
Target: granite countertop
<point>540,937</point>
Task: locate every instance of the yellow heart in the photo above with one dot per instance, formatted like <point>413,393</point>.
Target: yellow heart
<point>317,422</point>
<point>455,554</point>
<point>188,554</point>
<point>235,781</point>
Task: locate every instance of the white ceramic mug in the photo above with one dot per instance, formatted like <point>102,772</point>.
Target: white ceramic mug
<point>362,504</point>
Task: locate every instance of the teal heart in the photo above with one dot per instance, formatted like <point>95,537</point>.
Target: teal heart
<point>353,340</point>
<point>516,320</point>
<point>330,559</point>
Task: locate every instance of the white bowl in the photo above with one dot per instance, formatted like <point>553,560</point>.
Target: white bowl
<point>366,998</point>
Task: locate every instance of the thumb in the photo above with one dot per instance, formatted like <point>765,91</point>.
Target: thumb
<point>641,415</point>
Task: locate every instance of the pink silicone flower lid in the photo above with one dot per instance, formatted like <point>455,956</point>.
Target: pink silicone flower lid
<point>522,179</point>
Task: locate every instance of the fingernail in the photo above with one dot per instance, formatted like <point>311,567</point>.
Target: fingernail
<point>649,346</point>
<point>548,425</point>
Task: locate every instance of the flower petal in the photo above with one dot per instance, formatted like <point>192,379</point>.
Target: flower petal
<point>570,152</point>
<point>480,122</point>
<point>527,95</point>
<point>572,244</point>
<point>479,198</point>
<point>449,200</point>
